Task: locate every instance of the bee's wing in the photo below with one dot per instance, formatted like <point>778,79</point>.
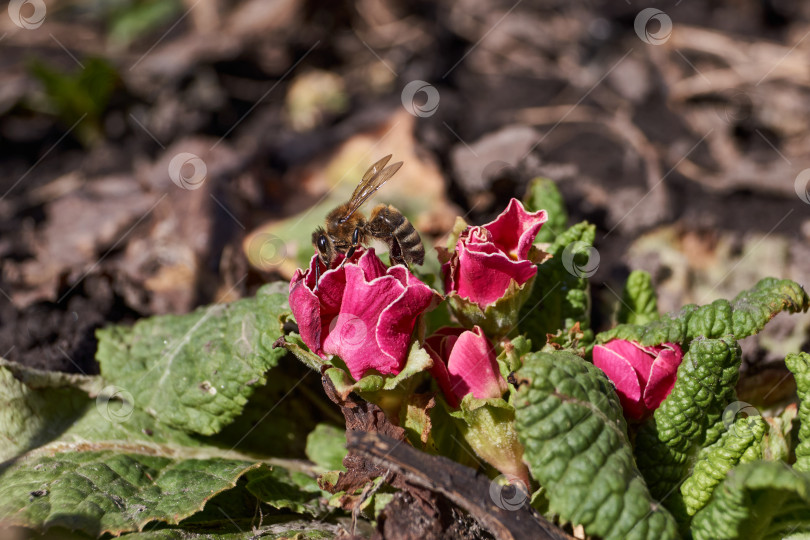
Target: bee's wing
<point>374,178</point>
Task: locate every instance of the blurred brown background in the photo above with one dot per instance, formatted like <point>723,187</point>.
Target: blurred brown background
<point>156,155</point>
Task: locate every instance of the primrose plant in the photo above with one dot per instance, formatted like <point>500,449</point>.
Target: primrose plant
<point>626,434</point>
<point>193,426</point>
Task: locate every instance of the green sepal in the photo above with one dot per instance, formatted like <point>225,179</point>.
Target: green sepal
<point>667,443</point>
<point>560,298</point>
<point>511,354</point>
<point>639,303</point>
<point>488,426</point>
<point>496,320</point>
<point>295,345</point>
<point>570,421</point>
<point>776,445</point>
<point>459,226</point>
<point>446,437</point>
<point>744,316</point>
<point>386,391</point>
<point>757,501</point>
<point>799,364</point>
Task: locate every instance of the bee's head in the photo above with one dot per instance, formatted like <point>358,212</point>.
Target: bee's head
<point>322,245</point>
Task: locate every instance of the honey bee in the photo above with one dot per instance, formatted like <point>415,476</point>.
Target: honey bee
<point>346,228</point>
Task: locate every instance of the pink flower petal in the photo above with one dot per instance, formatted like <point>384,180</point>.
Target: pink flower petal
<point>362,311</point>
<point>442,376</point>
<point>663,374</point>
<point>484,278</point>
<point>352,335</point>
<point>620,371</point>
<point>473,367</point>
<point>515,229</point>
<point>371,265</point>
<point>638,356</point>
<point>396,322</point>
<point>306,310</point>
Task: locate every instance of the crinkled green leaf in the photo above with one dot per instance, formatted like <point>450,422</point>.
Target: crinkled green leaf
<point>570,421</point>
<point>196,371</point>
<point>756,501</point>
<point>561,296</point>
<point>99,488</point>
<point>799,364</point>
<point>746,315</point>
<point>639,304</point>
<point>544,195</point>
<point>326,446</point>
<point>740,444</point>
<point>666,445</point>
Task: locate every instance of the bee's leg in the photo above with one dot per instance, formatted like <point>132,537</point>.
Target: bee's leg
<point>353,247</point>
<point>317,273</point>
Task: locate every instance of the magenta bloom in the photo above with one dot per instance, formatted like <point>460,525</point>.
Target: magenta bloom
<point>464,363</point>
<point>644,376</point>
<point>488,258</point>
<point>363,312</point>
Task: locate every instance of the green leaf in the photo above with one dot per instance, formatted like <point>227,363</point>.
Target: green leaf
<point>79,98</point>
<point>114,468</point>
<point>296,529</point>
<point>570,421</point>
<point>278,416</point>
<point>544,195</point>
<point>799,364</point>
<point>666,444</point>
<point>639,304</point>
<point>36,406</point>
<point>561,296</point>
<point>101,489</point>
<point>196,371</point>
<point>740,444</point>
<point>746,315</point>
<point>285,488</point>
<point>291,529</point>
<point>756,501</point>
<point>138,18</point>
<point>326,446</point>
